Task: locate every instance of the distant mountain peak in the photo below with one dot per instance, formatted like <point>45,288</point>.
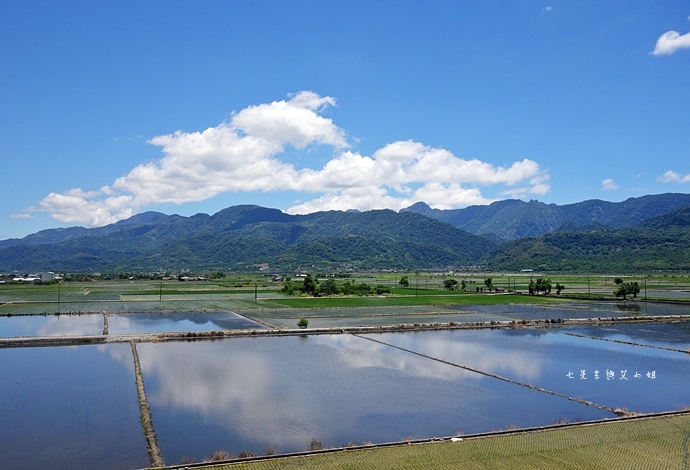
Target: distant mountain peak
<point>418,205</point>
<point>513,218</point>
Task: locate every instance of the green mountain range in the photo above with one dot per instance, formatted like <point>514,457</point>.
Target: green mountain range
<point>639,234</point>
<point>513,219</point>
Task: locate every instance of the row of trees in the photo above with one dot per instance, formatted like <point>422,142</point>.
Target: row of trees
<point>311,286</point>
<point>453,284</point>
<point>543,286</point>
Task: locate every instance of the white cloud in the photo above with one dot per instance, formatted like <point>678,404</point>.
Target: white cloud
<point>92,208</point>
<point>22,216</point>
<point>670,42</point>
<point>609,185</point>
<point>547,9</point>
<point>293,122</point>
<point>673,177</point>
<point>245,155</point>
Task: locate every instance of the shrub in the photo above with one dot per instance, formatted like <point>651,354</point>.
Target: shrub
<point>220,455</point>
<point>315,445</point>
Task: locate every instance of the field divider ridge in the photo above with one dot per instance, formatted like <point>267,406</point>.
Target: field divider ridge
<point>617,412</point>
<point>154,451</point>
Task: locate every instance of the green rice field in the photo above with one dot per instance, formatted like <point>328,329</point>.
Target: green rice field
<point>259,294</point>
<point>650,443</point>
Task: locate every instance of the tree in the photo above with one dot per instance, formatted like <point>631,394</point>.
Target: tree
<point>303,323</point>
<point>329,287</point>
<point>489,283</point>
<point>450,284</point>
<point>559,288</point>
<point>541,285</point>
<point>404,281</point>
<point>309,285</point>
<point>288,287</point>
<point>627,288</point>
<point>463,285</point>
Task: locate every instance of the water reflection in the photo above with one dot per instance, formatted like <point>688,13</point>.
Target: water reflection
<point>482,356</point>
<point>578,310</point>
<point>512,353</point>
<point>69,407</point>
<point>51,325</point>
<point>248,393</point>
<point>178,321</point>
<point>674,335</point>
<point>126,323</point>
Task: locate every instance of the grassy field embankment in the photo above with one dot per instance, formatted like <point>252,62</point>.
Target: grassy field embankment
<point>647,443</point>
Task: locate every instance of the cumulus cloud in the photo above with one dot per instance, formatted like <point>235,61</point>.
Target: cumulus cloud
<point>609,185</point>
<point>673,177</point>
<point>670,42</point>
<point>245,153</point>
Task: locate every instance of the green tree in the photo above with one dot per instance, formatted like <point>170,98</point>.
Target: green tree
<point>627,288</point>
<point>404,281</point>
<point>541,285</point>
<point>381,289</point>
<point>489,283</point>
<point>309,285</point>
<point>559,288</point>
<point>544,285</point>
<point>329,287</point>
<point>463,285</point>
<point>302,323</point>
<point>288,287</point>
<point>346,288</point>
<point>450,284</point>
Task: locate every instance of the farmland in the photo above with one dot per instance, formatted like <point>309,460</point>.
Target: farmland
<point>659,442</point>
<point>420,344</point>
<point>249,293</point>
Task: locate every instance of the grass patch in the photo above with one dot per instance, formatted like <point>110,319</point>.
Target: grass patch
<point>660,442</point>
<point>402,301</point>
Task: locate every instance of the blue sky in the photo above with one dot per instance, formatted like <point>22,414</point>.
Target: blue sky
<point>108,109</point>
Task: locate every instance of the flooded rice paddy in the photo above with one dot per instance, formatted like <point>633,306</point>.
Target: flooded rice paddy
<point>69,407</point>
<point>77,407</point>
<point>122,323</point>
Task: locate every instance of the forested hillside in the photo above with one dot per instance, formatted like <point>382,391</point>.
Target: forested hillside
<point>593,236</point>
<point>513,219</point>
<point>242,237</point>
